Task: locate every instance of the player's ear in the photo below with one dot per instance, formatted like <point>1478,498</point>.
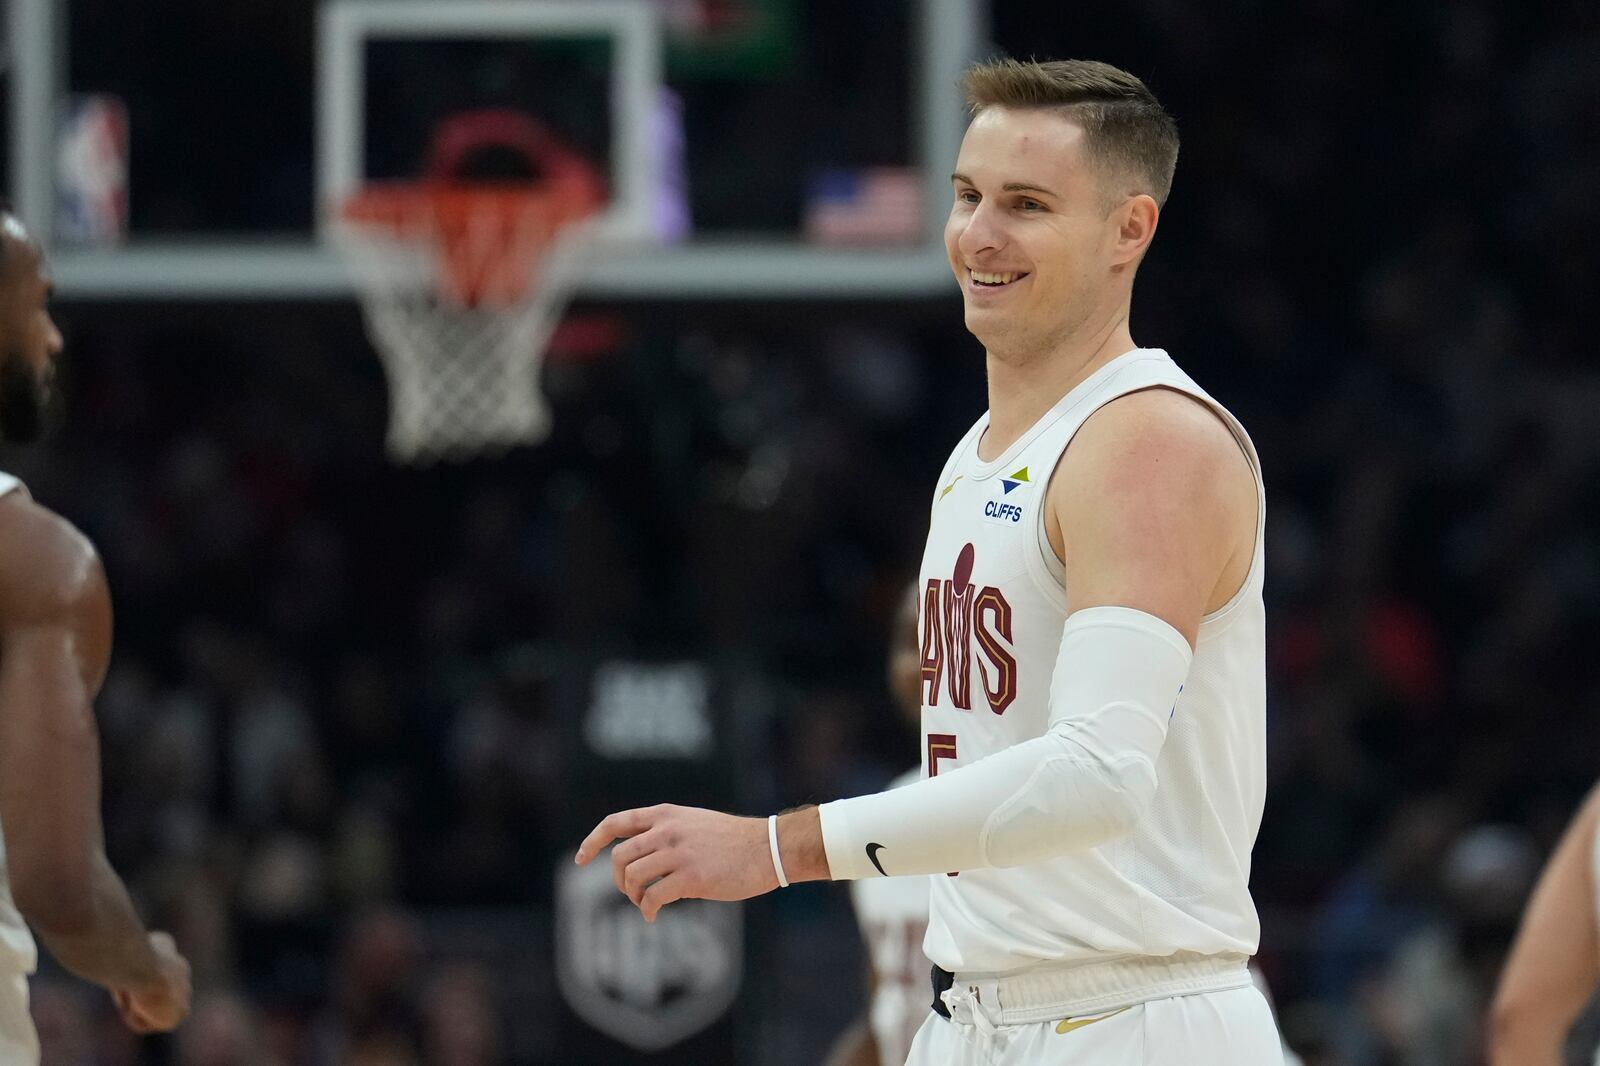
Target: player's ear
<point>1135,219</point>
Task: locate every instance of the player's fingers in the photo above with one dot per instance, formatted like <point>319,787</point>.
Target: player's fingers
<point>644,870</point>
<point>631,850</point>
<point>596,841</point>
<point>124,1004</point>
<point>612,826</point>
<point>135,1020</point>
<point>669,889</point>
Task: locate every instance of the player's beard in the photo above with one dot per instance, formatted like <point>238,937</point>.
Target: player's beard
<point>22,401</point>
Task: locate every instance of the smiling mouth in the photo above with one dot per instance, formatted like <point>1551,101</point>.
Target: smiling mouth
<point>985,280</point>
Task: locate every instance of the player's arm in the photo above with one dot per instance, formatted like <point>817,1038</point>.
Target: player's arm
<point>1157,510</point>
<point>1156,507</point>
<point>1554,964</point>
<point>55,642</point>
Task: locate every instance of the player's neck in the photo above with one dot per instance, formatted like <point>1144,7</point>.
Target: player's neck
<point>1022,390</point>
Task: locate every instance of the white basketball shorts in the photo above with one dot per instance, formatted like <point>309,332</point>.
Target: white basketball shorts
<point>1227,1028</point>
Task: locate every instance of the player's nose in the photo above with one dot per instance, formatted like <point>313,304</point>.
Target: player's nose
<point>981,234</point>
<point>52,337</point>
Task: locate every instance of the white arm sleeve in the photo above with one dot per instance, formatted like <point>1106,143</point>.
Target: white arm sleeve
<point>1087,780</point>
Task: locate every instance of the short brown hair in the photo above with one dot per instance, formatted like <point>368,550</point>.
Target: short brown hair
<point>1126,129</point>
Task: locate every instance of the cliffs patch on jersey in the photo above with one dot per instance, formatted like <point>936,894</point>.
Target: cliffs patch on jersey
<point>1007,510</point>
<point>959,621</point>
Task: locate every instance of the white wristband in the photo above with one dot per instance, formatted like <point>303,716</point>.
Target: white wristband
<point>772,841</point>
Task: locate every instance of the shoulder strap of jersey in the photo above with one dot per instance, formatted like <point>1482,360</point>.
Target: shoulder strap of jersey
<point>1046,569</point>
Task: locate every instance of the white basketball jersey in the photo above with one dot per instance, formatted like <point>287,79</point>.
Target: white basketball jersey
<point>17,950</point>
<point>893,912</point>
<point>992,611</point>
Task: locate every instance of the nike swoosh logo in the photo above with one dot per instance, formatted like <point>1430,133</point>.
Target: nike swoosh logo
<point>1078,1023</point>
<point>872,857</point>
<point>950,487</point>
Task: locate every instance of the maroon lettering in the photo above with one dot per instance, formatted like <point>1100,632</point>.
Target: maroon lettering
<point>992,617</point>
<point>958,644</point>
<point>954,614</point>
<point>932,644</point>
<point>958,593</point>
<point>940,746</point>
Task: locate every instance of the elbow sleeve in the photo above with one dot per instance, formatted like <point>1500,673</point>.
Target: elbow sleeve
<point>1087,780</point>
<point>1070,803</point>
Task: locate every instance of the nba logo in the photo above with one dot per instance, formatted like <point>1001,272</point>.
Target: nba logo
<point>92,171</point>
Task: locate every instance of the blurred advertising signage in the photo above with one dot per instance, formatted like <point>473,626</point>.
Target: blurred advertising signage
<point>648,986</point>
<point>650,711</point>
<point>92,171</point>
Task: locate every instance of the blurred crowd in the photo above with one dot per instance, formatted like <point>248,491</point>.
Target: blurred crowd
<point>338,726</point>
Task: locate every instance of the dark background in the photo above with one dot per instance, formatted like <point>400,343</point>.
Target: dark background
<point>342,732</point>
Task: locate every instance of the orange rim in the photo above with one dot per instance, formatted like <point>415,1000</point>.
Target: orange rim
<point>490,238</point>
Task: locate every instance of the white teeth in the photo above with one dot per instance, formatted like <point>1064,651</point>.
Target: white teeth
<point>993,279</point>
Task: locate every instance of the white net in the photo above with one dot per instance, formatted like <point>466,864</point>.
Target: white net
<point>463,376</point>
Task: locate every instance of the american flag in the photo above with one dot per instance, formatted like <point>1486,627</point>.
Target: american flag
<point>875,205</point>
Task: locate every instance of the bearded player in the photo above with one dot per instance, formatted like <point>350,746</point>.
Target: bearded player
<point>1092,637</point>
<point>55,640</point>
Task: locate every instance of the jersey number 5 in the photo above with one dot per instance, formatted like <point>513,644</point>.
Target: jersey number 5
<point>941,746</point>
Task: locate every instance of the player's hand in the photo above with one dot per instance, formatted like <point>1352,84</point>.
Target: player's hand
<point>670,853</point>
<point>160,1006</point>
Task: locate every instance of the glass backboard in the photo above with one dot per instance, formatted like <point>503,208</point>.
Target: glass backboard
<point>726,128</point>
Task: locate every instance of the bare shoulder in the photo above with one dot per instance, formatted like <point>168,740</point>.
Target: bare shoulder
<point>1159,432</point>
<point>1156,507</point>
<point>1156,450</point>
<point>47,566</point>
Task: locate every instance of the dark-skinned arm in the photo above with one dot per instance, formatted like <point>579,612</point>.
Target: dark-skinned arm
<point>55,644</point>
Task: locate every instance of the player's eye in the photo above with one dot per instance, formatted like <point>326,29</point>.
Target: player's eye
<point>1031,205</point>
<point>967,196</point>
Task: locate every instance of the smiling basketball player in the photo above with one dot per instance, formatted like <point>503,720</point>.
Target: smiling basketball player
<point>1092,641</point>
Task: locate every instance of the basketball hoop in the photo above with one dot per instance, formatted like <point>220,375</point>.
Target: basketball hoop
<point>463,283</point>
